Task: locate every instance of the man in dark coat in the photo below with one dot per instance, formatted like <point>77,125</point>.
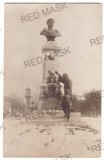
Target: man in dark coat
<point>66,104</point>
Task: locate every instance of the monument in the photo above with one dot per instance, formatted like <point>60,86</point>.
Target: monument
<point>28,97</point>
<point>50,95</point>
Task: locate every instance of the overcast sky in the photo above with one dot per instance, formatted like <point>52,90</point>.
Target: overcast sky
<point>78,23</point>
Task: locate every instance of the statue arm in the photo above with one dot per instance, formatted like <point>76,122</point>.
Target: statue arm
<point>60,79</point>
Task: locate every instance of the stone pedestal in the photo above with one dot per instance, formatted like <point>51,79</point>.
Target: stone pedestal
<point>50,95</point>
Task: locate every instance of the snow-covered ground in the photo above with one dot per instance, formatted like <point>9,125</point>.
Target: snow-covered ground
<point>33,139</point>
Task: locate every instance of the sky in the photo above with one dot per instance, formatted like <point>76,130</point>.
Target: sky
<point>77,23</point>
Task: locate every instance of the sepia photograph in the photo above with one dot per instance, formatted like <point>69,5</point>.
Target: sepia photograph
<point>52,80</point>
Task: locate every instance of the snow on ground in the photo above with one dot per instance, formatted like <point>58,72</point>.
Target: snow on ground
<point>22,139</point>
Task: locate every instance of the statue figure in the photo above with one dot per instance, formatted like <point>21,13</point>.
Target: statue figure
<point>51,57</point>
<point>49,32</point>
<point>51,78</point>
<point>66,81</point>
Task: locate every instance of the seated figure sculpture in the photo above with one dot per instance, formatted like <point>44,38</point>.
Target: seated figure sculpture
<point>51,78</point>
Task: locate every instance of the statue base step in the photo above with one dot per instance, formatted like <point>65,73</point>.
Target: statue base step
<point>50,104</point>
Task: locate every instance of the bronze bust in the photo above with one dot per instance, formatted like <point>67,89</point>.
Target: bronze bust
<point>49,32</point>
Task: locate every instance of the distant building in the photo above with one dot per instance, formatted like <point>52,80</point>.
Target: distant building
<point>28,97</point>
<point>81,98</point>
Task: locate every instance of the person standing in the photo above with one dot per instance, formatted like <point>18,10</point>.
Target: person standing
<point>66,104</point>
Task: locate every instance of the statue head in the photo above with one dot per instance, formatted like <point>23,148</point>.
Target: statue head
<point>49,32</point>
<point>65,76</point>
<point>50,22</point>
<point>51,73</point>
